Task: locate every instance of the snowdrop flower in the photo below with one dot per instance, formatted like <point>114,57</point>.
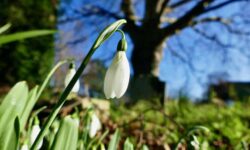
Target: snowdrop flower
<point>195,143</point>
<point>34,133</point>
<point>70,74</point>
<point>95,125</point>
<point>117,77</point>
<point>25,147</point>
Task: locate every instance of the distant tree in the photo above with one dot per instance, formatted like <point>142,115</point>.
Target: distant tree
<point>29,59</point>
<point>152,23</point>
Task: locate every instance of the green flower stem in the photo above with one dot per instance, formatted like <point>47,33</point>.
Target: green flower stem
<point>45,82</point>
<point>105,34</point>
<point>122,45</point>
<point>32,119</point>
<point>122,33</point>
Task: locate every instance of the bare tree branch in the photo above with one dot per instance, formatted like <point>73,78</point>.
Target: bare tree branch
<point>179,3</point>
<point>212,38</point>
<point>76,41</point>
<point>225,22</point>
<point>223,4</point>
<point>201,8</point>
<point>236,31</point>
<point>150,13</point>
<point>196,22</point>
<point>68,19</point>
<point>163,6</point>
<point>186,58</point>
<point>210,19</point>
<point>182,22</point>
<point>128,10</point>
<point>190,67</point>
<point>91,10</point>
<point>102,11</point>
<point>153,12</point>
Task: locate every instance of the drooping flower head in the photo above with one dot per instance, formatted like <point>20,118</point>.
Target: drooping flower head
<point>34,133</point>
<point>117,77</point>
<point>70,74</point>
<point>195,143</point>
<point>95,125</point>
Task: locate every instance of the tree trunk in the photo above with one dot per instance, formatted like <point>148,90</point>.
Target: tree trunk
<point>146,57</point>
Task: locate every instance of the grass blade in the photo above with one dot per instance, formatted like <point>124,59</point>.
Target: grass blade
<point>114,141</point>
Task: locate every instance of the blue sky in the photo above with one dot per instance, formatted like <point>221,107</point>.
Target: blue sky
<point>205,56</point>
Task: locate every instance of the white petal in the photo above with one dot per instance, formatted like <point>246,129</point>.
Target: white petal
<point>76,87</point>
<point>95,125</point>
<point>117,76</point>
<point>34,133</point>
<point>69,76</point>
<point>108,90</point>
<point>122,76</point>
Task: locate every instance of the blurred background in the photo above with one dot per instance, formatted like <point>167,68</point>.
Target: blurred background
<point>182,50</point>
<point>173,50</point>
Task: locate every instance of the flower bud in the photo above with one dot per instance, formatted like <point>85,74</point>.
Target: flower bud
<point>34,133</point>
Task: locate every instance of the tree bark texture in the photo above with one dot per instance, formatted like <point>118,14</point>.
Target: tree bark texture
<point>146,57</point>
<point>148,39</point>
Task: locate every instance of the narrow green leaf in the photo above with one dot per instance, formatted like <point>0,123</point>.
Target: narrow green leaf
<point>244,145</point>
<point>97,141</point>
<point>67,135</point>
<point>114,141</point>
<point>13,104</point>
<point>23,35</point>
<point>128,145</point>
<point>47,79</point>
<point>5,28</point>
<point>102,137</point>
<point>28,107</point>
<point>10,137</point>
<point>52,134</point>
<point>10,108</point>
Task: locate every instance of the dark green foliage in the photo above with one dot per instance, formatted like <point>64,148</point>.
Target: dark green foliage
<point>158,127</point>
<point>230,90</point>
<point>29,59</point>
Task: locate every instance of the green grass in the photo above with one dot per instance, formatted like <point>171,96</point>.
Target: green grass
<point>157,127</point>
